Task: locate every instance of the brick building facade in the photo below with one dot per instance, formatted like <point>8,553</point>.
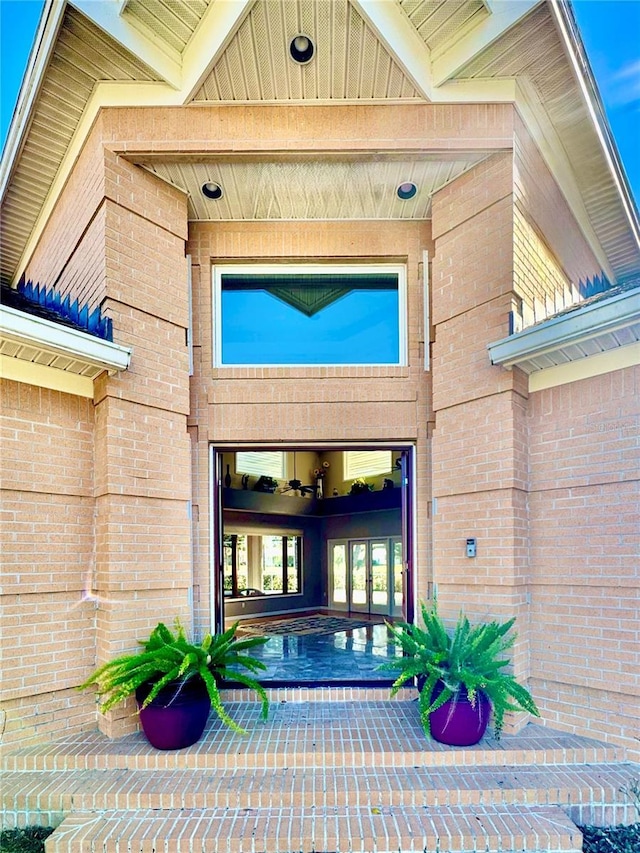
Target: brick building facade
<point>108,488</point>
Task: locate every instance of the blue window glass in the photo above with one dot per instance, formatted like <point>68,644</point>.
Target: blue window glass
<point>320,317</point>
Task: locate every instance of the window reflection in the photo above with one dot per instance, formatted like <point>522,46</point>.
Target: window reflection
<point>302,318</point>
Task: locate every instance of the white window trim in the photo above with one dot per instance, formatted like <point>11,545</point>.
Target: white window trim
<point>306,269</point>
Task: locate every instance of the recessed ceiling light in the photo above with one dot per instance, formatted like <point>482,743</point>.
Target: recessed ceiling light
<point>407,190</point>
<point>212,190</point>
<point>301,49</point>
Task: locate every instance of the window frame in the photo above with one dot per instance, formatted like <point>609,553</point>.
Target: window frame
<point>218,270</point>
<point>285,537</point>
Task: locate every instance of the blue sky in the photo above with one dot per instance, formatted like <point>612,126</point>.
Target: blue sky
<point>610,29</point>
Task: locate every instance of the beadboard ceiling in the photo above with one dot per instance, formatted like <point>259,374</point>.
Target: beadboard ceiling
<point>312,188</point>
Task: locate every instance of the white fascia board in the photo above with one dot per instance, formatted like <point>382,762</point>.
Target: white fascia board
<point>583,324</point>
<point>217,27</point>
<point>162,59</point>
<point>503,16</point>
<point>38,332</point>
<point>402,40</point>
<point>554,155</point>
<point>45,39</point>
<point>579,61</point>
<point>493,91</point>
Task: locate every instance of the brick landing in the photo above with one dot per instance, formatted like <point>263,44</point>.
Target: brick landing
<point>332,770</point>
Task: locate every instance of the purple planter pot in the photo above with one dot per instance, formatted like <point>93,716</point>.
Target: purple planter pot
<point>177,716</point>
<point>458,722</point>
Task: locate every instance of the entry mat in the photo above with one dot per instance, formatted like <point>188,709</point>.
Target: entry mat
<point>304,625</point>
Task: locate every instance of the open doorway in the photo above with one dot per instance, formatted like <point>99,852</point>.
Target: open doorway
<point>313,547</point>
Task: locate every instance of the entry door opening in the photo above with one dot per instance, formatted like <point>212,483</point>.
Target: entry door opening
<point>316,536</point>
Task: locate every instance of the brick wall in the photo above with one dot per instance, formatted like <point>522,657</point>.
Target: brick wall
<point>479,458</point>
<point>143,483</point>
<point>585,522</point>
<point>552,261</point>
<point>583,464</point>
<point>316,404</point>
<point>97,492</point>
<point>535,481</point>
<point>46,471</point>
<point>70,254</point>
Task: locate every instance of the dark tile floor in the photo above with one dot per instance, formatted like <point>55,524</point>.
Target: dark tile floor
<point>345,657</point>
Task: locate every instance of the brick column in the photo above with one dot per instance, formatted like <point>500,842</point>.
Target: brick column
<point>142,451</point>
<point>479,443</point>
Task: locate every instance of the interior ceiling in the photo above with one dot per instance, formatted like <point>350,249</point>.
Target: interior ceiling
<point>355,61</point>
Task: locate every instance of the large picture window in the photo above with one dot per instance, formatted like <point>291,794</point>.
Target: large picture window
<point>310,315</point>
<point>262,565</point>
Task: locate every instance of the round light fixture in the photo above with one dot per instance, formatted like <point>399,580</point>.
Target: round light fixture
<point>407,190</point>
<point>212,190</point>
<point>301,49</point>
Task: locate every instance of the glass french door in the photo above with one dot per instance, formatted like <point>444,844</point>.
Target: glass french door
<point>366,575</point>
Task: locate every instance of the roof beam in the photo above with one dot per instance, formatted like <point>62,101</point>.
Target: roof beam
<point>401,39</point>
<point>162,60</point>
<point>504,15</point>
<point>217,27</point>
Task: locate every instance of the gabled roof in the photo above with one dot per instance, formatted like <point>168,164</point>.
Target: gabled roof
<point>90,55</point>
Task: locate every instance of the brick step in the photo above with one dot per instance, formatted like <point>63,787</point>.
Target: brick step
<point>314,735</point>
<point>589,791</point>
<point>385,829</point>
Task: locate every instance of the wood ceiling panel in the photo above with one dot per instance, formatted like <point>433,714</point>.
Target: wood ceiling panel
<point>350,62</point>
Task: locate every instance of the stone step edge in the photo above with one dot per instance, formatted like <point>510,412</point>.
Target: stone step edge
<point>384,829</point>
<point>578,785</point>
<point>320,694</point>
<point>216,757</point>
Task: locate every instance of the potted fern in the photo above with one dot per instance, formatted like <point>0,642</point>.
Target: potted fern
<point>175,682</point>
<point>461,677</point>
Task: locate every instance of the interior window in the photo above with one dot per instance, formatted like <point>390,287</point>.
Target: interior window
<point>262,463</point>
<point>366,463</point>
<point>311,314</point>
<point>262,565</point>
